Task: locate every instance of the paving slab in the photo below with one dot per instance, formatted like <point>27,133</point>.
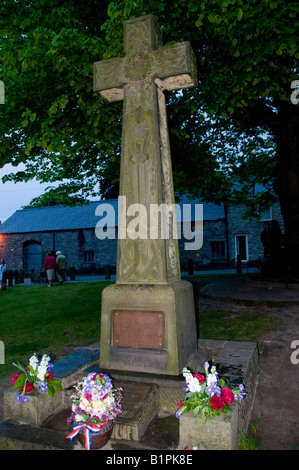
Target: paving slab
<point>246,288</point>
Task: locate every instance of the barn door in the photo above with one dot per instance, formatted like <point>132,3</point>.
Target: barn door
<point>32,257</point>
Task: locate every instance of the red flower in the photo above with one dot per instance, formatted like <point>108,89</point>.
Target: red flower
<point>14,378</point>
<point>180,404</point>
<point>98,374</point>
<point>227,395</point>
<point>216,402</point>
<point>29,387</point>
<point>49,376</point>
<point>104,398</point>
<point>201,378</point>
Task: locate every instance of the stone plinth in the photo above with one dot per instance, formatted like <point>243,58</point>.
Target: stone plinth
<point>140,403</point>
<point>238,362</point>
<point>38,408</point>
<point>219,433</point>
<point>167,308</point>
<point>70,369</point>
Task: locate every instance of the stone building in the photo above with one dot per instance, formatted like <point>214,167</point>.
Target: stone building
<point>208,234</point>
<point>29,234</point>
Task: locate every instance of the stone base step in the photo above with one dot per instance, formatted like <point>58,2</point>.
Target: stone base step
<point>145,396</point>
<point>140,403</point>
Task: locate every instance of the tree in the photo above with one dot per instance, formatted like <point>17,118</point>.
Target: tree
<point>51,120</point>
<point>239,119</point>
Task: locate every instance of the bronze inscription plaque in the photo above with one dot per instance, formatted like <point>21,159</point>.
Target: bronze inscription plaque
<point>138,329</point>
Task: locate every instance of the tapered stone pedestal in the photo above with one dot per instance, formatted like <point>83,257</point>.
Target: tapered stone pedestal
<point>148,328</point>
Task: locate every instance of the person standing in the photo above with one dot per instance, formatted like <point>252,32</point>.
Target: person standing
<point>61,265</point>
<point>50,267</point>
<point>2,269</point>
<point>266,239</point>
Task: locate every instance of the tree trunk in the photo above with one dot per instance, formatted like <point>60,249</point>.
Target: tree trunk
<point>287,184</point>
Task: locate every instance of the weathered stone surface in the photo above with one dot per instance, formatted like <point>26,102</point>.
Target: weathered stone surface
<point>70,368</point>
<point>140,79</point>
<point>219,433</point>
<point>144,260</point>
<point>140,403</point>
<point>36,410</point>
<point>15,436</point>
<point>176,302</point>
<point>148,396</point>
<point>238,362</point>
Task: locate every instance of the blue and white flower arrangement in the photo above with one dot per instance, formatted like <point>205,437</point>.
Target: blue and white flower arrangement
<point>208,395</point>
<point>95,405</point>
<point>95,400</point>
<point>37,375</point>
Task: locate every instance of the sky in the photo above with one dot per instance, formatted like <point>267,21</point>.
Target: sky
<point>15,195</point>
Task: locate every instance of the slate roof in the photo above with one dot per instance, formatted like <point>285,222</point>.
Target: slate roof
<point>56,218</point>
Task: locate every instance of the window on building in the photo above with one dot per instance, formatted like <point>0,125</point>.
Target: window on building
<point>88,256</point>
<point>241,246</point>
<point>266,214</point>
<point>218,249</point>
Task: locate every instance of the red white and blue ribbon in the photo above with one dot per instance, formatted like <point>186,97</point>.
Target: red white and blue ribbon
<point>88,430</point>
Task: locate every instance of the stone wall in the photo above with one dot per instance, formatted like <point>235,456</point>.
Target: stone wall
<point>86,253</point>
<point>251,229</point>
<point>213,231</point>
<point>82,249</point>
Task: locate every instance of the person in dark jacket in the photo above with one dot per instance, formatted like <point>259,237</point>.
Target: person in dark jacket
<point>271,238</point>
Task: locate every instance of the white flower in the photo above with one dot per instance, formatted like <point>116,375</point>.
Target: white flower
<point>188,376</point>
<point>41,372</point>
<point>194,385</point>
<point>45,360</point>
<point>33,361</point>
<point>212,378</point>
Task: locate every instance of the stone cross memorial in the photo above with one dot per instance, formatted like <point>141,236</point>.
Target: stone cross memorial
<point>148,318</point>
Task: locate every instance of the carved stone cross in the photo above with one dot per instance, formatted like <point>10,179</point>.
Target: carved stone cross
<point>139,79</point>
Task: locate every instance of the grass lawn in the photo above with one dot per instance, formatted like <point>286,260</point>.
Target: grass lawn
<point>45,320</point>
<point>41,320</point>
<point>243,325</point>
